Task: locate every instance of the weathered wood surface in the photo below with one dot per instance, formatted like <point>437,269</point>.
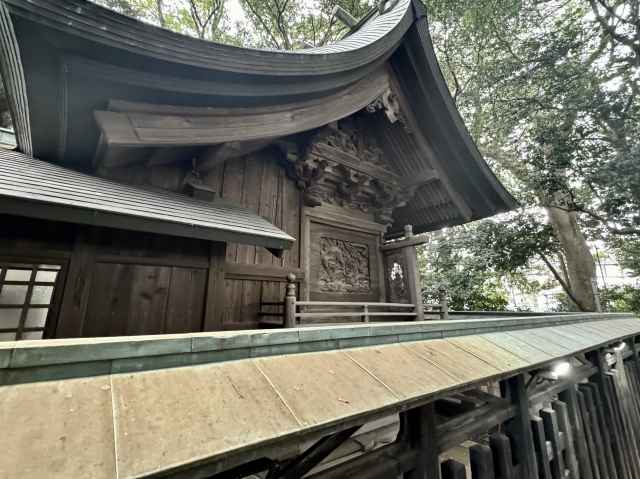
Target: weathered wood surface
<point>213,126</point>
<point>34,188</point>
<point>272,400</point>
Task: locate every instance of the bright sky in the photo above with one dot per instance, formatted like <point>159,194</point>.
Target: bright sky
<point>236,14</point>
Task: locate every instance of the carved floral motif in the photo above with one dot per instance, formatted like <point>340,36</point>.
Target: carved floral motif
<point>344,266</point>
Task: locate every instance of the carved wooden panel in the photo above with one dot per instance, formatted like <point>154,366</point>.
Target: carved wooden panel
<point>343,264</point>
<point>395,271</point>
<point>342,165</point>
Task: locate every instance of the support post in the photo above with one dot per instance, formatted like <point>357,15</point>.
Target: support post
<point>418,430</point>
<point>412,275</point>
<point>290,302</point>
<point>520,428</point>
<point>444,305</point>
<point>365,317</point>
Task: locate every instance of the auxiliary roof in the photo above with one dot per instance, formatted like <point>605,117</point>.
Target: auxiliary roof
<point>67,62</point>
<point>30,187</point>
<point>145,423</point>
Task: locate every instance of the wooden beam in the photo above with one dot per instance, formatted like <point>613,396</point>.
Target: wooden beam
<point>212,156</point>
<point>259,272</point>
<point>425,176</point>
<point>140,129</point>
<point>314,455</point>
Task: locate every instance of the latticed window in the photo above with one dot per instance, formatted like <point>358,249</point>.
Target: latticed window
<point>26,299</point>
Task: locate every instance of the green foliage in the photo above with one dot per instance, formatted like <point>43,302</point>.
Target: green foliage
<point>549,91</point>
<point>279,24</point>
<point>620,299</point>
<point>474,263</point>
<point>628,254</point>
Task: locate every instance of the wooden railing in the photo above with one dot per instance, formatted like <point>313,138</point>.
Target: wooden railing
<point>292,312</point>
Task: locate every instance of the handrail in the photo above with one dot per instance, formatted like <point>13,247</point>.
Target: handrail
<point>294,309</point>
<point>348,303</point>
<point>363,313</point>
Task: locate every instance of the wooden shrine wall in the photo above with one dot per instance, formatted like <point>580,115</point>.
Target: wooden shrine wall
<point>124,283</point>
<point>113,282</point>
<point>260,183</point>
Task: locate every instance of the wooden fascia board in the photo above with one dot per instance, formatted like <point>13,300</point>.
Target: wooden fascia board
<point>12,75</point>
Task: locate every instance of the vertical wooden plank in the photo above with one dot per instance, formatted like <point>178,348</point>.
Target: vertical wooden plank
<point>292,220</point>
<point>520,427</point>
<point>588,431</point>
<point>481,459</point>
<point>622,447</point>
<point>502,457</point>
<point>570,398</point>
<point>148,295</point>
<point>540,445</point>
<point>610,415</point>
<point>552,433</point>
<point>215,295</point>
<point>77,286</point>
<point>268,201</point>
<point>187,294</point>
<point>629,401</point>
<point>565,428</point>
<point>602,426</point>
<point>418,429</point>
<point>626,420</point>
<point>599,436</point>
<point>453,470</point>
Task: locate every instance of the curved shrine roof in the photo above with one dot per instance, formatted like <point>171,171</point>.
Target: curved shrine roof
<point>66,61</point>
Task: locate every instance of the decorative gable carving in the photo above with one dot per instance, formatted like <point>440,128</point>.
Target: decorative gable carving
<point>389,103</point>
<point>345,167</point>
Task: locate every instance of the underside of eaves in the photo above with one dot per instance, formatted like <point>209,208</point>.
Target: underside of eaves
<point>71,65</point>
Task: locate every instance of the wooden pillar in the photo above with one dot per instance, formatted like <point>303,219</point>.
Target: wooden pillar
<point>520,427</point>
<point>418,431</point>
<point>412,275</point>
<point>290,302</point>
<point>444,303</point>
<point>77,286</point>
<point>215,301</point>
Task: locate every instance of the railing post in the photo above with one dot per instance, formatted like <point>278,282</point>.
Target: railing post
<point>444,305</point>
<point>365,318</point>
<point>290,302</point>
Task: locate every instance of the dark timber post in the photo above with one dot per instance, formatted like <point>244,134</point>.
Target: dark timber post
<point>521,427</point>
<point>290,302</point>
<point>413,274</point>
<point>418,430</point>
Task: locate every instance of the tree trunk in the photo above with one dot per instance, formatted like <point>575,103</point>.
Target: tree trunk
<point>160,10</point>
<point>580,265</point>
